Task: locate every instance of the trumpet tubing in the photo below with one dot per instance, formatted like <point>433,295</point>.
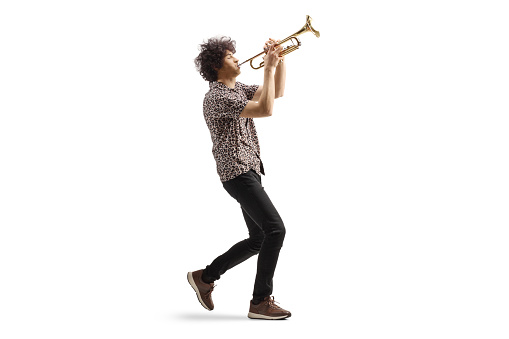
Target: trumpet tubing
<point>288,49</point>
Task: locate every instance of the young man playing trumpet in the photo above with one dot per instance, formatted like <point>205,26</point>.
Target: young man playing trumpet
<point>229,108</point>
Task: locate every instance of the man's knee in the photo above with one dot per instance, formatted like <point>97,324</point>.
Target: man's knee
<point>255,242</point>
<point>281,230</point>
<point>276,230</point>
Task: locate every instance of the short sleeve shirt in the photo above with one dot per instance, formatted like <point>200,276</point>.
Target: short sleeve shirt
<point>234,140</point>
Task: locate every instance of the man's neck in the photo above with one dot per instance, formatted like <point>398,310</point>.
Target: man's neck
<point>230,82</point>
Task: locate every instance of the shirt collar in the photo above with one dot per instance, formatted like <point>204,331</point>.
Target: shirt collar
<point>220,85</point>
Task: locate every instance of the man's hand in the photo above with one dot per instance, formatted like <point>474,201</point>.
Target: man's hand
<point>271,42</point>
<point>272,58</point>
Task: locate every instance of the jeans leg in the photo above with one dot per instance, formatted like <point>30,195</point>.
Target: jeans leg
<point>258,206</point>
<point>266,234</point>
<point>238,253</point>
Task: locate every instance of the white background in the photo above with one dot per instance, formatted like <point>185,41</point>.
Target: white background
<point>387,159</point>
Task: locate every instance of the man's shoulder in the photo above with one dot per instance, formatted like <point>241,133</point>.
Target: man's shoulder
<point>242,85</point>
<point>214,89</point>
<point>248,88</point>
<point>212,95</point>
<point>214,99</point>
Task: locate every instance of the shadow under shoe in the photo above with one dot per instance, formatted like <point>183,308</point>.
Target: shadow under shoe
<point>203,290</point>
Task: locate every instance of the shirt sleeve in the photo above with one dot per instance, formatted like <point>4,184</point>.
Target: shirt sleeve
<point>225,107</point>
<point>250,90</point>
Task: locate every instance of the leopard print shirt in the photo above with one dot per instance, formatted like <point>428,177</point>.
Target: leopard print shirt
<point>234,140</point>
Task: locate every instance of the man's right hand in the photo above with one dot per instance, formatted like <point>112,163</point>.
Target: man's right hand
<point>272,58</point>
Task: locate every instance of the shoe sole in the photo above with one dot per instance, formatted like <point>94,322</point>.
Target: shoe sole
<point>195,288</point>
<point>252,315</point>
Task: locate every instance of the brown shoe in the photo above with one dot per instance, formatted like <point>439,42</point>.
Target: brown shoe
<point>267,309</point>
<point>202,289</point>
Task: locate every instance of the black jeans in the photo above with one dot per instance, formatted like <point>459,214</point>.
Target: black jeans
<point>266,234</point>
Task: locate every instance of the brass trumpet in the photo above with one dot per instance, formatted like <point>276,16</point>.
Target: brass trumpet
<point>292,38</point>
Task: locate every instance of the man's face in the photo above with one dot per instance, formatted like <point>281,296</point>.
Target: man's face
<point>230,65</point>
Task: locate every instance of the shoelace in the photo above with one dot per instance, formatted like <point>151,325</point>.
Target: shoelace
<point>207,295</point>
<point>272,303</point>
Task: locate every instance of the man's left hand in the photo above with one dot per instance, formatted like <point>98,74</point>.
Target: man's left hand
<point>270,42</point>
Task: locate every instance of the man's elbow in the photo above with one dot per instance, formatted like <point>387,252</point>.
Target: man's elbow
<point>279,95</point>
<point>266,110</point>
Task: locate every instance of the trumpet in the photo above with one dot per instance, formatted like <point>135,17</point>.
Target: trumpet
<point>292,38</point>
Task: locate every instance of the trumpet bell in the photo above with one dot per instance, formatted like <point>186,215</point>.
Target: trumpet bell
<point>306,28</point>
<point>310,28</point>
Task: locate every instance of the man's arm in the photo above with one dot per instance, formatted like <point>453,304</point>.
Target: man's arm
<point>279,77</point>
<point>263,108</point>
<point>279,82</point>
<point>258,93</point>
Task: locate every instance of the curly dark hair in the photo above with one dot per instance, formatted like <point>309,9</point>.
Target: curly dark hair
<point>211,56</point>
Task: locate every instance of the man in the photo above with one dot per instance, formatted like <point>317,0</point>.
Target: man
<point>229,108</point>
